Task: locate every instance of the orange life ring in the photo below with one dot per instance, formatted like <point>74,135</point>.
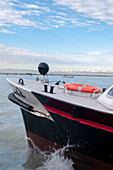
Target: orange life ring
<point>82,88</point>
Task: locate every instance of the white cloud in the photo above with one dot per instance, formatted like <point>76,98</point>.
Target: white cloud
<point>16,13</point>
<point>7,31</point>
<point>56,13</point>
<point>98,9</point>
<point>12,57</point>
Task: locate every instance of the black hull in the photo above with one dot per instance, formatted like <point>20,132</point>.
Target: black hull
<point>81,161</point>
<point>91,144</point>
<point>83,139</point>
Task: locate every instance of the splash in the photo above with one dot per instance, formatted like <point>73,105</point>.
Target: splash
<point>58,161</point>
<point>44,160</point>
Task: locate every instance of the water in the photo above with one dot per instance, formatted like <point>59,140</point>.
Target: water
<point>14,151</point>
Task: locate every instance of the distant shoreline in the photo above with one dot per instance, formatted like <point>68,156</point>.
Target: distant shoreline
<point>61,74</point>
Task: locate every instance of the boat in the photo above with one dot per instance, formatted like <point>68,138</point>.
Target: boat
<point>64,76</point>
<point>61,114</point>
<point>70,76</point>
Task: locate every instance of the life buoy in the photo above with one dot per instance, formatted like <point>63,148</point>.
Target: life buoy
<point>82,88</point>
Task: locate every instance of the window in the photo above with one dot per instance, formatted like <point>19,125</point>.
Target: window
<point>110,93</point>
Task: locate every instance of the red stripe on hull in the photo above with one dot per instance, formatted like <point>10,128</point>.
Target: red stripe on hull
<point>81,161</point>
<point>82,121</point>
<point>51,109</point>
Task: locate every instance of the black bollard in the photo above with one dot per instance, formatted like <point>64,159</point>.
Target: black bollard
<point>51,89</point>
<point>104,89</point>
<point>45,88</point>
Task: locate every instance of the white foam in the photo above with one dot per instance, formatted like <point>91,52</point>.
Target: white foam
<point>51,161</point>
<point>57,161</point>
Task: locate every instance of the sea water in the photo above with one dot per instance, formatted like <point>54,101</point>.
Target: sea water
<point>14,151</point>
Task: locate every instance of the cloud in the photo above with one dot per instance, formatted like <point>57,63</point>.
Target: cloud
<point>16,13</point>
<point>55,13</point>
<point>7,31</point>
<point>100,10</point>
<point>12,57</point>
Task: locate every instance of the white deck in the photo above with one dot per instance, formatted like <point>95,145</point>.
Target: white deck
<point>36,86</point>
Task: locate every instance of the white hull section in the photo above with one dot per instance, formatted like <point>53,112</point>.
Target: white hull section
<point>102,102</point>
<point>106,99</point>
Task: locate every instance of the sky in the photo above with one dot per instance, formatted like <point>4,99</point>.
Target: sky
<point>66,34</point>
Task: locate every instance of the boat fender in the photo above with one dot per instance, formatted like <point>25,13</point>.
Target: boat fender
<point>19,102</point>
<point>21,81</point>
